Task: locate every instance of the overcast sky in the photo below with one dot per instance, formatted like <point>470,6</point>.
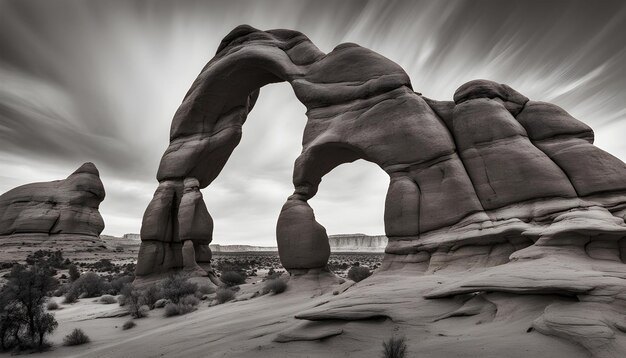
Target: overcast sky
<point>100,81</point>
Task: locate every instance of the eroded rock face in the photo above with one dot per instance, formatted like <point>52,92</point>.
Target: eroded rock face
<point>458,170</point>
<point>493,191</point>
<point>60,207</point>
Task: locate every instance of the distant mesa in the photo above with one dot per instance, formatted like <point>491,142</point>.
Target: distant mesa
<point>357,243</point>
<point>53,212</point>
<point>338,243</point>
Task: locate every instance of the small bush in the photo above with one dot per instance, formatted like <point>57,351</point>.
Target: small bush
<point>275,285</point>
<point>175,309</point>
<point>172,309</point>
<point>135,303</point>
<point>394,348</point>
<point>53,259</point>
<point>151,294</point>
<point>74,273</point>
<point>62,290</point>
<point>137,311</point>
<point>185,305</point>
<point>77,337</point>
<point>176,287</point>
<point>134,300</point>
<point>108,299</point>
<point>232,278</point>
<point>71,296</point>
<point>224,295</point>
<point>52,305</point>
<point>272,274</point>
<point>104,265</point>
<point>206,289</point>
<point>125,292</point>
<point>119,282</point>
<point>89,284</point>
<point>359,273</point>
<point>129,325</point>
<point>190,300</point>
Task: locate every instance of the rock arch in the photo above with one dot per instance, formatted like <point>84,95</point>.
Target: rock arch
<point>487,167</point>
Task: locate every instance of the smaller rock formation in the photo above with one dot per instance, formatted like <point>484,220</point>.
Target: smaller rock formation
<point>52,215</point>
<point>68,206</point>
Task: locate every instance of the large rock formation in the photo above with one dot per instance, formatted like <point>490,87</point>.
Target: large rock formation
<point>51,211</point>
<point>491,192</point>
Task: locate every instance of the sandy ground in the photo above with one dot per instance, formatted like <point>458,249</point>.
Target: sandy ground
<point>373,310</point>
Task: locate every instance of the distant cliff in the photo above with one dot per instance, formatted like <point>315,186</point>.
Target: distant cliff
<point>357,243</point>
<point>338,243</point>
<point>217,248</point>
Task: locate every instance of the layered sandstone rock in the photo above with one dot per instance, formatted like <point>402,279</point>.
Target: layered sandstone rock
<point>491,192</point>
<point>68,206</point>
<point>56,215</point>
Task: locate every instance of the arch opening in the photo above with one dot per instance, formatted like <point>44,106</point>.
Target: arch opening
<point>360,105</point>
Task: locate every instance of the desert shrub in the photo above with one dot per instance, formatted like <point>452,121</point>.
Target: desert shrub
<point>74,273</point>
<point>232,278</point>
<point>75,338</point>
<point>104,265</point>
<point>61,290</point>
<point>239,266</point>
<point>151,294</point>
<point>206,289</point>
<point>108,299</point>
<point>128,325</point>
<point>23,319</point>
<point>49,258</point>
<point>52,305</point>
<point>176,287</point>
<point>71,296</point>
<point>185,305</point>
<point>128,270</point>
<point>11,324</point>
<point>172,309</point>
<point>190,300</point>
<point>45,323</point>
<point>124,292</point>
<point>275,285</point>
<point>358,273</point>
<point>89,285</point>
<point>394,347</point>
<point>273,274</point>
<point>119,282</point>
<point>7,265</point>
<point>224,294</point>
<point>175,309</point>
<point>135,302</point>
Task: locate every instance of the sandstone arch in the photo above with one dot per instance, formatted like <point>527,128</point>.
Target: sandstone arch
<point>490,169</point>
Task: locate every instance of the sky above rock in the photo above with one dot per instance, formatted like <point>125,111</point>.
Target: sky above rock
<point>100,81</point>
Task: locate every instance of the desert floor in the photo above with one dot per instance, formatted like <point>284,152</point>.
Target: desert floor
<point>344,320</point>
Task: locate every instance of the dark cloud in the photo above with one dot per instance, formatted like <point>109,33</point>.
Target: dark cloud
<point>100,81</point>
